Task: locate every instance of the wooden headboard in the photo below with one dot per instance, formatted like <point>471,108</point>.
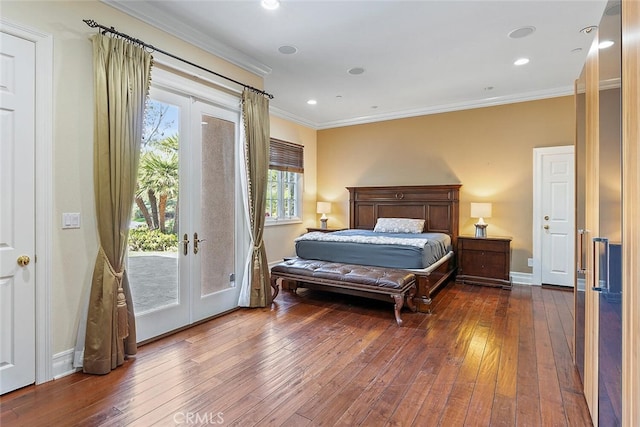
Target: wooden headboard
<point>436,204</point>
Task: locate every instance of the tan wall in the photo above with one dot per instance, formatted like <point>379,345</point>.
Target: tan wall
<point>279,238</point>
<point>74,251</point>
<point>488,150</point>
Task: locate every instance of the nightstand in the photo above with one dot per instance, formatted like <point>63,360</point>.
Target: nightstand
<point>324,230</point>
<point>484,261</point>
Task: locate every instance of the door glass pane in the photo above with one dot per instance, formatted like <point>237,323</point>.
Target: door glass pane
<point>153,242</point>
<point>218,204</point>
<point>610,213</point>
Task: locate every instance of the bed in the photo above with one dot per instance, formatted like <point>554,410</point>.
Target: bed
<point>392,249</point>
<point>436,205</point>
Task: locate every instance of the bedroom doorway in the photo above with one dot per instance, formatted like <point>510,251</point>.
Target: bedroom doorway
<point>554,216</point>
<point>182,257</point>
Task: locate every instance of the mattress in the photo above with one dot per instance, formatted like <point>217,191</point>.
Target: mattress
<point>365,247</point>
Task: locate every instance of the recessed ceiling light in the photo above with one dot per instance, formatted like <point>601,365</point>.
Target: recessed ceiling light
<point>312,102</point>
<point>589,29</point>
<point>356,70</point>
<point>521,61</point>
<point>605,44</point>
<point>270,4</point>
<point>519,33</point>
<point>287,50</point>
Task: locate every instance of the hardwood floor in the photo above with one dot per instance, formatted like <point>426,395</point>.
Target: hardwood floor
<point>485,357</point>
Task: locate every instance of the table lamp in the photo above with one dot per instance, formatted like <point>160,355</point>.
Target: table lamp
<point>323,208</point>
<point>481,211</point>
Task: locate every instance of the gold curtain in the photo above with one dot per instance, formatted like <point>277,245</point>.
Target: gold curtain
<point>255,109</point>
<point>122,77</point>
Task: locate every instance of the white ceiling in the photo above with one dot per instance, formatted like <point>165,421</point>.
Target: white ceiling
<point>419,57</point>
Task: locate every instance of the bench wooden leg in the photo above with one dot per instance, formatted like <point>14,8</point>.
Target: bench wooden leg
<point>293,286</point>
<point>410,294</point>
<point>399,299</point>
<point>274,285</point>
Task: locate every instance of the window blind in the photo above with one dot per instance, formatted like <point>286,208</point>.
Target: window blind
<point>286,156</point>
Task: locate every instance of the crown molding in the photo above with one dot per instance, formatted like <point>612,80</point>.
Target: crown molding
<point>145,12</point>
<point>275,111</point>
<point>437,109</point>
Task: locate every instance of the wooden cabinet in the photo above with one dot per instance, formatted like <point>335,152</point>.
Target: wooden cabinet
<point>484,261</point>
<point>607,323</point>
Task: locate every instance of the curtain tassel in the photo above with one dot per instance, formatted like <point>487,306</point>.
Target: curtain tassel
<point>257,269</point>
<point>122,313</point>
<point>121,301</point>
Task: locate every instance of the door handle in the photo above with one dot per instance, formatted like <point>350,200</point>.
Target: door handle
<point>185,243</point>
<point>546,227</point>
<point>604,241</point>
<point>196,242</point>
<point>581,234</point>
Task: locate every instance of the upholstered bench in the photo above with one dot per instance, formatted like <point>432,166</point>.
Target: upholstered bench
<point>361,280</point>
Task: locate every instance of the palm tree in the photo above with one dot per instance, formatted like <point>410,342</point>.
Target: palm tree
<point>142,206</point>
<point>158,176</point>
<point>164,181</point>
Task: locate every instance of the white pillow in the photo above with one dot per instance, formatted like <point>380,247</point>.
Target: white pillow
<point>399,225</point>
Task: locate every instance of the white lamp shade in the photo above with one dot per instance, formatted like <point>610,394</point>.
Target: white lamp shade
<point>323,207</point>
<point>480,210</point>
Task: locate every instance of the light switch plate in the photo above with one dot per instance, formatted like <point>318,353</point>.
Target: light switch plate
<point>70,220</point>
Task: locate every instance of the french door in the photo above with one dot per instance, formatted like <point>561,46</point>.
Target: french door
<point>183,252</point>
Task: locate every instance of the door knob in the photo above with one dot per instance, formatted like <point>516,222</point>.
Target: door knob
<point>185,243</point>
<point>196,242</point>
<point>23,260</point>
<point>546,227</point>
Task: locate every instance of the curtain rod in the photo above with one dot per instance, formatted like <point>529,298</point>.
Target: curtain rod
<point>93,24</point>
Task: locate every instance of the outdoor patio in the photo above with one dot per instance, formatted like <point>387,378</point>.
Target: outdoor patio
<point>153,277</point>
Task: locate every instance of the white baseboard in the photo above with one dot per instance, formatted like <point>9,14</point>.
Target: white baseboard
<point>518,278</point>
<point>63,364</point>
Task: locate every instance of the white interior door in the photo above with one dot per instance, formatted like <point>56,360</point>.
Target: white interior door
<point>174,288</point>
<point>554,215</point>
<point>17,213</point>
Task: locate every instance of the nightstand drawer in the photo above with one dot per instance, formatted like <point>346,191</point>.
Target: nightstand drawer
<point>484,245</point>
<point>485,264</point>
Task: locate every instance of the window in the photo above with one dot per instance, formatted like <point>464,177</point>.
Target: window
<point>284,182</point>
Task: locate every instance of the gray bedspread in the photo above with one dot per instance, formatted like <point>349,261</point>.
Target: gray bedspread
<point>364,247</point>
